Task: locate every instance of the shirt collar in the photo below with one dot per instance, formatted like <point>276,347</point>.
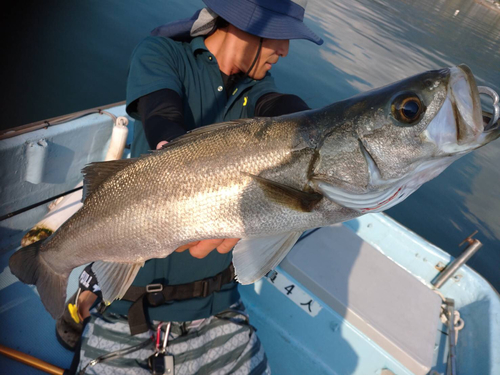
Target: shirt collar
<point>198,43</point>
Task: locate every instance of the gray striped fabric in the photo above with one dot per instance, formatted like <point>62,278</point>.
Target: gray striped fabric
<point>222,344</point>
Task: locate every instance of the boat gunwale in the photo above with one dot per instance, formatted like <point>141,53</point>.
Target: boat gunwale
<point>44,124</point>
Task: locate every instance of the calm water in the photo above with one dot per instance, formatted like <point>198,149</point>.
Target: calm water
<point>61,57</point>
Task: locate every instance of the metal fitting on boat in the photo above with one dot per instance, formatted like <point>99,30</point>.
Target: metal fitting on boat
<point>451,368</point>
<point>449,271</point>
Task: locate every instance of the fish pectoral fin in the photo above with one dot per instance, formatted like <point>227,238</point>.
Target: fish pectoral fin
<point>114,279</point>
<point>288,196</point>
<point>95,173</point>
<point>255,257</point>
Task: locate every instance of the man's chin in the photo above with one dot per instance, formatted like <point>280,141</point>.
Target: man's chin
<point>258,76</point>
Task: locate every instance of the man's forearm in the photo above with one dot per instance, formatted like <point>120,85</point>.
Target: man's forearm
<point>162,116</point>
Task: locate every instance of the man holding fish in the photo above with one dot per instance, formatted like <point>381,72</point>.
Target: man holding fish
<point>189,74</point>
<point>261,180</point>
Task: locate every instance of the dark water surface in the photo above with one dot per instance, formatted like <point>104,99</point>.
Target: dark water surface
<point>61,57</point>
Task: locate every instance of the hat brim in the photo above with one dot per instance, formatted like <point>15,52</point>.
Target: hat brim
<point>260,21</point>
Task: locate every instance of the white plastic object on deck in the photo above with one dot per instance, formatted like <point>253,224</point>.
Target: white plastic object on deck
<point>36,154</point>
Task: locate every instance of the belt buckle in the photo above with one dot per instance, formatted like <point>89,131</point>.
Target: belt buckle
<point>154,288</point>
<point>154,294</point>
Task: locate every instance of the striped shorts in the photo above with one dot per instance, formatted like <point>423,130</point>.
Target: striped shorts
<point>222,344</point>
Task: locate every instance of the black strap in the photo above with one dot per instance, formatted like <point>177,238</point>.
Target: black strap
<point>256,58</point>
<point>159,294</point>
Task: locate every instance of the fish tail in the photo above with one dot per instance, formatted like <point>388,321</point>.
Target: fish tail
<point>29,266</point>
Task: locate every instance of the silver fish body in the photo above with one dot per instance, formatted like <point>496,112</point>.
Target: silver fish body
<point>264,180</point>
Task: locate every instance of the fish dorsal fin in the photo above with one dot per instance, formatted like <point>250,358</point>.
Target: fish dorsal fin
<point>204,130</point>
<point>286,195</point>
<point>95,173</point>
<point>114,279</point>
<point>254,257</point>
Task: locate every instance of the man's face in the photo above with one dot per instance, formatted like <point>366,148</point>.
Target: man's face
<point>271,51</point>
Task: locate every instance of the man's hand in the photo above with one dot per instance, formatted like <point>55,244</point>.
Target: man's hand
<point>200,249</point>
<point>161,144</point>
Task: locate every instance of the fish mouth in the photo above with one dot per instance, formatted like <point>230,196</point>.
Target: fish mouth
<point>459,126</point>
<point>466,104</point>
<point>491,120</point>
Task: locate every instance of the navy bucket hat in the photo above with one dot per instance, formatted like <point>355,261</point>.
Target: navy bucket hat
<point>272,19</point>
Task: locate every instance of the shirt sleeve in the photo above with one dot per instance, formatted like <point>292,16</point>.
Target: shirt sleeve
<point>155,64</point>
<point>276,104</point>
<point>263,87</point>
<point>162,116</point>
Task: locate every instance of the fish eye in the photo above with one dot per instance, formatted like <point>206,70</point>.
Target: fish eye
<point>407,108</point>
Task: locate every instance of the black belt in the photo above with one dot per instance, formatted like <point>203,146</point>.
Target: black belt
<point>159,294</point>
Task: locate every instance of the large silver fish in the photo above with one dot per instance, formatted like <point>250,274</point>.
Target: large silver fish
<point>264,180</point>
